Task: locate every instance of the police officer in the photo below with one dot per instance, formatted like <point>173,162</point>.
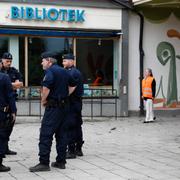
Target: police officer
<point>7,114</point>
<point>55,91</point>
<point>17,82</point>
<point>75,115</point>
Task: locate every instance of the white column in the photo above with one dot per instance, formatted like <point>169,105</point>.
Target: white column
<point>14,50</point>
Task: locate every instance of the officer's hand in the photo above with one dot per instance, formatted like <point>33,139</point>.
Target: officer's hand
<point>13,117</point>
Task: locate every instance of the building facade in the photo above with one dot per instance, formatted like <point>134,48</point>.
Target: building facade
<point>92,31</point>
<point>161,44</point>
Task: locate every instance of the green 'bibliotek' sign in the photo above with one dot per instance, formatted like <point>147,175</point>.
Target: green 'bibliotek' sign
<point>52,14</point>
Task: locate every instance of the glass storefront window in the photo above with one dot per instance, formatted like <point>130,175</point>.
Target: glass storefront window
<point>94,58</point>
<point>38,45</point>
<point>3,45</point>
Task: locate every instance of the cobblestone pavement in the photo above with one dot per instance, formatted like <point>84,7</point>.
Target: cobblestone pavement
<point>123,149</point>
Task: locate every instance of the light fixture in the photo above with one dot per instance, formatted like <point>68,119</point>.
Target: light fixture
<point>30,40</point>
<point>99,42</point>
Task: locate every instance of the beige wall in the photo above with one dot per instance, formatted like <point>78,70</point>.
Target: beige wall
<point>153,35</point>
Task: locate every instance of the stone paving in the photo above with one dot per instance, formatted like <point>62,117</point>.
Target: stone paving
<point>122,149</point>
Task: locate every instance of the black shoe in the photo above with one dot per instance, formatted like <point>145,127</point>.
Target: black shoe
<point>79,153</point>
<point>4,168</point>
<point>59,165</point>
<point>9,152</point>
<point>146,121</point>
<point>70,155</point>
<point>39,167</point>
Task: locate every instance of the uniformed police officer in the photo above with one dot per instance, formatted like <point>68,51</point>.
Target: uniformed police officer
<point>75,115</point>
<point>7,114</point>
<point>55,91</point>
<point>17,82</point>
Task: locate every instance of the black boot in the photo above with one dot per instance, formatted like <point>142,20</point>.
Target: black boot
<point>79,149</point>
<point>9,152</point>
<point>60,165</point>
<point>39,167</point>
<point>70,154</point>
<point>3,168</point>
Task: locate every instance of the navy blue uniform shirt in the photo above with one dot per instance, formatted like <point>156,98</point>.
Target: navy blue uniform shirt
<point>57,80</point>
<point>13,73</point>
<point>6,93</point>
<point>77,76</point>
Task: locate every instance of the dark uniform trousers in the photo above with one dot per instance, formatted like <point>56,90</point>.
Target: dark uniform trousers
<point>9,131</point>
<point>4,126</point>
<point>53,123</point>
<point>75,135</point>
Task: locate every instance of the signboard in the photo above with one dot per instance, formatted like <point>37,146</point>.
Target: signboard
<point>52,14</point>
<point>59,17</point>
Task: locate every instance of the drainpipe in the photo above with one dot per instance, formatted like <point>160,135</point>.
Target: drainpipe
<point>141,62</point>
<point>128,5</point>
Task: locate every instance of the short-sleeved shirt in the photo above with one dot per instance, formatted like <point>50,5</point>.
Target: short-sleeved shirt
<point>58,81</point>
<point>6,93</point>
<point>77,76</point>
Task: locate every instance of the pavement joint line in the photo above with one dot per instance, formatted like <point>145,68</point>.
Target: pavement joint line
<point>150,167</point>
<point>157,154</point>
<point>127,168</point>
<point>28,169</point>
<point>162,156</point>
<point>171,152</point>
<point>36,173</point>
<point>80,168</point>
<point>64,174</point>
<point>12,176</point>
<point>105,169</point>
<point>160,161</point>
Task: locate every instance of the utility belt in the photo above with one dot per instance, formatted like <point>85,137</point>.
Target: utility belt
<point>4,109</point>
<point>8,121</point>
<point>52,103</point>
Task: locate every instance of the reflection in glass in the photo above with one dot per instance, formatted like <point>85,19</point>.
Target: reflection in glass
<point>95,61</point>
<point>38,45</point>
<point>3,45</point>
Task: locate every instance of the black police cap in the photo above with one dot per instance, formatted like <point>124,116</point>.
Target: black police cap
<point>68,56</point>
<point>7,55</point>
<point>45,55</point>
